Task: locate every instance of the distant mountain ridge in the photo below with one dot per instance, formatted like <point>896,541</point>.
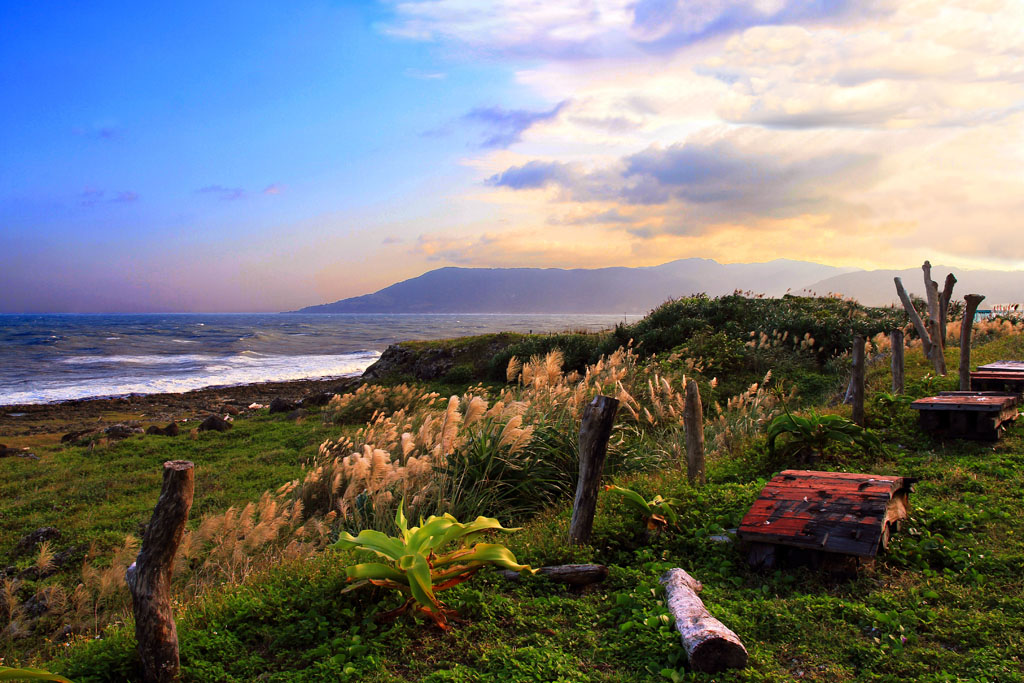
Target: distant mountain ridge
<point>557,290</point>
<point>638,290</point>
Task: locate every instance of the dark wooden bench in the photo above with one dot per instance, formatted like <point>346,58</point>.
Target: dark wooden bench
<point>806,515</point>
<point>967,414</point>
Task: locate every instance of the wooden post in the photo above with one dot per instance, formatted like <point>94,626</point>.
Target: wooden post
<point>710,645</point>
<point>595,428</point>
<point>896,342</point>
<point>693,422</point>
<point>149,577</point>
<point>935,330</point>
<point>965,339</point>
<point>858,379</point>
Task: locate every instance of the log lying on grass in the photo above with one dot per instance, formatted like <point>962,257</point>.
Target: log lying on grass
<point>710,646</point>
<point>572,574</point>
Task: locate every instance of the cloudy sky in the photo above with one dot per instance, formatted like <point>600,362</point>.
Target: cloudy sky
<point>265,156</point>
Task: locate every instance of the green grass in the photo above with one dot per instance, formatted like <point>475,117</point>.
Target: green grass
<point>101,493</point>
<point>946,603</point>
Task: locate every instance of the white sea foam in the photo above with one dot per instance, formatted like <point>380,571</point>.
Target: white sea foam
<point>243,368</point>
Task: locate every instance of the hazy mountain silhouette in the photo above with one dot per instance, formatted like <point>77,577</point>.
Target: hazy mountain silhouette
<point>556,290</point>
<point>876,288</point>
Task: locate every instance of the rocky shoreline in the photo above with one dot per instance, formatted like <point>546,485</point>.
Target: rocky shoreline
<point>30,425</point>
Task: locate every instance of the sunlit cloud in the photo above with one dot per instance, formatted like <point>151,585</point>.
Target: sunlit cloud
<point>273,189</point>
<point>832,131</point>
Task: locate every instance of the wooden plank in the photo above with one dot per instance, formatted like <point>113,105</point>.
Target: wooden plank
<point>972,401</point>
<point>1004,366</point>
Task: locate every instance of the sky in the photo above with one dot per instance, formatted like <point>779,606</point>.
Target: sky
<point>264,156</point>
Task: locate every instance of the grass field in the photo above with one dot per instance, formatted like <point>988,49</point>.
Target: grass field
<point>945,603</point>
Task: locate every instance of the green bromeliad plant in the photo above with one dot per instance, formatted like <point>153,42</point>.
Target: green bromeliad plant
<point>807,438</point>
<point>658,512</point>
<point>421,563</point>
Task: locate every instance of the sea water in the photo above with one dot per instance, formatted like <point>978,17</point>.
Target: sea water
<point>49,358</point>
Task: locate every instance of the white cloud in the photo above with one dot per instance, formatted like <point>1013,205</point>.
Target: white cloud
<point>881,131</point>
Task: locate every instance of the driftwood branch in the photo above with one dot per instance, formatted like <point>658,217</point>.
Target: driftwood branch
<point>149,577</point>
<point>915,317</point>
<point>595,428</point>
<point>572,574</point>
<point>693,421</point>
<point>972,301</point>
<point>710,646</point>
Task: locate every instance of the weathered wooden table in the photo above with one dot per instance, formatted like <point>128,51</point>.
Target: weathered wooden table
<point>967,414</point>
<point>804,514</point>
<point>1010,382</point>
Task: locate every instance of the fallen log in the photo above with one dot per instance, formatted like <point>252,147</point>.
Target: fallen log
<point>710,646</point>
<point>572,574</point>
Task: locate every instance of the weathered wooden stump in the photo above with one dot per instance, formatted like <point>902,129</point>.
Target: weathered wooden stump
<point>966,414</point>
<point>149,577</point>
<point>971,302</point>
<point>896,343</point>
<point>693,423</point>
<point>595,428</point>
<point>710,645</point>
<point>823,515</point>
<point>857,380</point>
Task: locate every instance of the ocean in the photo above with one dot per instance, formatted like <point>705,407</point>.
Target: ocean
<point>50,358</point>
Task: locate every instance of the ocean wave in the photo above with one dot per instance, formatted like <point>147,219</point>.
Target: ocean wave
<point>228,371</point>
<point>142,359</point>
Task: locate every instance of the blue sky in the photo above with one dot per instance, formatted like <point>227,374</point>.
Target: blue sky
<point>266,156</point>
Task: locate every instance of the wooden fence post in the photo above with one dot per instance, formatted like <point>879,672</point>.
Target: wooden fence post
<point>693,422</point>
<point>965,339</point>
<point>595,428</point>
<point>149,577</point>
<point>858,379</point>
<point>897,344</point>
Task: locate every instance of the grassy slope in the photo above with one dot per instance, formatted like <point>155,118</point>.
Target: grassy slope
<point>944,604</point>
<point>100,494</point>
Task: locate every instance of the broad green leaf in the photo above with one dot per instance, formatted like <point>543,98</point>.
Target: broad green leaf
<point>474,527</point>
<point>417,570</point>
<point>9,674</point>
<point>426,538</point>
<point>375,570</point>
<point>485,553</point>
<point>632,497</point>
<point>400,521</point>
<point>382,544</point>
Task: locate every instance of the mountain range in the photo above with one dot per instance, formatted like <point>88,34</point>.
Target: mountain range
<point>638,290</point>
